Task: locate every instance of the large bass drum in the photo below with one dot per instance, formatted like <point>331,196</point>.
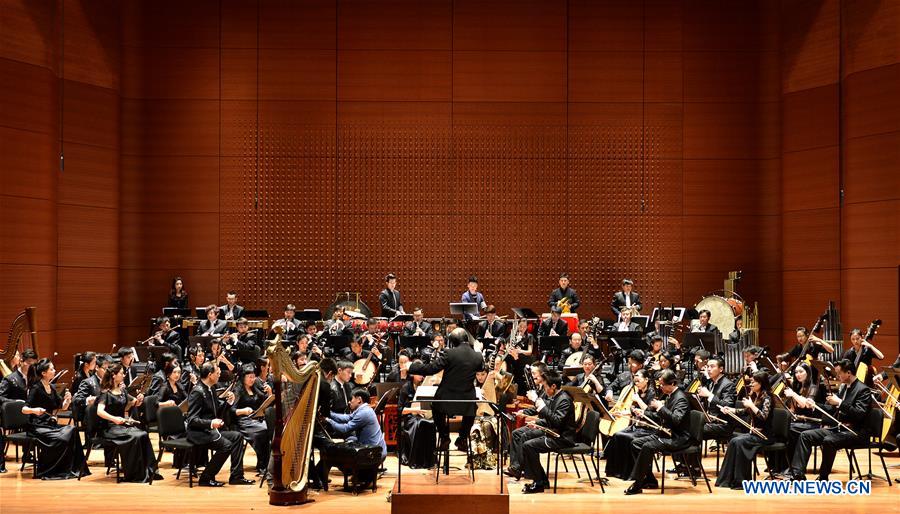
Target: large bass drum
<point>350,302</point>
<point>723,311</point>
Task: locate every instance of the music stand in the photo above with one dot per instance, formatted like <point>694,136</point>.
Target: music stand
<point>625,341</point>
<point>524,312</point>
<point>385,387</point>
<point>336,344</point>
<point>642,321</point>
<point>255,314</point>
<point>141,353</point>
<point>416,343</point>
<point>200,312</point>
<point>464,308</point>
<point>203,341</point>
<point>705,340</point>
<point>578,395</point>
<point>172,312</point>
<point>675,315</point>
<point>156,353</point>
<point>552,346</point>
<point>308,315</point>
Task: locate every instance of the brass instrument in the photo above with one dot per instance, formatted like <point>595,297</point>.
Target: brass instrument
<point>563,303</point>
<point>24,322</point>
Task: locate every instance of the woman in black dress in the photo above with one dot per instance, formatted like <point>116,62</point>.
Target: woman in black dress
<point>172,393</point>
<point>800,396</point>
<point>86,365</point>
<point>619,459</point>
<point>178,296</point>
<point>248,399</point>
<point>60,456</point>
<point>417,432</point>
<point>757,410</point>
<point>138,461</point>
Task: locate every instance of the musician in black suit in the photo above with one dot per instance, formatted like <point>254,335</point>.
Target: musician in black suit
<point>807,344</point>
<point>418,326</point>
<point>575,346</point>
<point>673,414</point>
<point>321,438</point>
<point>459,364</point>
<point>636,361</point>
<point>850,406</point>
<point>718,393</point>
<point>246,344</point>
<point>626,298</point>
<point>705,325</point>
<point>159,378</point>
<point>126,358</point>
<point>564,291</point>
<point>231,310</point>
<point>169,338</point>
<point>554,323</point>
<point>212,326</point>
<point>557,413</point>
<point>491,327</point>
<point>391,303</point>
<point>862,352</point>
<point>341,387</point>
<point>13,387</point>
<point>203,429</point>
<point>356,352</point>
<point>291,327</point>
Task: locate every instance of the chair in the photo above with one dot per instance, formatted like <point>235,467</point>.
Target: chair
<point>781,428</point>
<point>874,419</point>
<point>693,452</point>
<point>151,405</point>
<point>584,445</point>
<point>14,422</point>
<point>91,422</point>
<point>172,435</point>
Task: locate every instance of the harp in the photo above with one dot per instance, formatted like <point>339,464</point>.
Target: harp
<point>296,404</point>
<point>24,322</point>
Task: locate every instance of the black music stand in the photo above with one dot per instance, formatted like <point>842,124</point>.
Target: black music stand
<point>626,341</point>
<point>405,318</point>
<point>255,314</point>
<point>552,346</point>
<point>673,314</point>
<point>200,312</point>
<point>414,343</point>
<point>203,341</point>
<point>308,315</point>
<point>642,321</point>
<point>173,312</point>
<point>463,308</point>
<point>336,345</point>
<point>705,340</point>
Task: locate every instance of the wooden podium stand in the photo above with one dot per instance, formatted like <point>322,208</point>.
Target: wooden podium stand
<point>454,493</point>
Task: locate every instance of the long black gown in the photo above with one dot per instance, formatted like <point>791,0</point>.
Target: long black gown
<point>253,429</point>
<point>738,463</point>
<point>417,434</point>
<point>135,450</point>
<point>618,455</point>
<point>61,455</point>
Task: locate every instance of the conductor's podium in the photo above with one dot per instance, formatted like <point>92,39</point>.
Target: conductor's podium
<point>454,493</point>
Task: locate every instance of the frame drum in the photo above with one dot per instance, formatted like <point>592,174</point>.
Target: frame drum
<point>723,312</point>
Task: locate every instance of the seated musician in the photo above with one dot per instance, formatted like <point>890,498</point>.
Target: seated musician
<point>671,411</point>
<point>85,364</point>
<point>15,386</point>
<point>159,378</point>
<point>375,333</point>
<point>701,357</point>
<point>217,355</point>
<point>168,337</point>
<point>573,348</point>
<point>491,327</point>
<point>361,424</point>
<point>590,343</point>
<point>554,325</point>
<point>400,371</point>
<point>389,298</point>
<point>704,325</point>
<point>313,353</point>
<point>213,326</point>
<point>801,349</point>
<point>312,331</point>
<point>625,324</point>
<point>618,454</point>
<point>418,326</point>
<point>862,352</point>
<point>717,393</point>
<point>521,354</point>
<point>290,326</point>
<point>737,335</point>
<point>245,342</point>
<point>336,326</point>
<point>416,426</point>
<point>231,311</point>
<point>656,347</point>
<point>627,298</point>
<point>190,371</point>
<point>751,355</point>
<point>590,378</point>
<point>341,387</point>
<point>247,400</point>
<point>88,389</point>
<point>635,362</point>
<point>757,408</point>
<point>471,295</point>
<point>355,353</point>
<point>204,428</point>
<point>880,378</point>
<point>564,292</point>
<point>437,346</point>
<point>299,358</point>
<point>172,393</point>
<point>803,392</point>
<point>126,359</point>
<point>178,295</point>
<point>850,407</point>
<point>556,413</point>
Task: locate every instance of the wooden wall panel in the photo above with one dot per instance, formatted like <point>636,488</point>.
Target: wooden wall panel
<point>871,234</point>
<point>402,25</point>
<point>874,161</point>
<point>810,179</point>
<point>372,75</point>
<point>90,115</point>
<point>810,42</point>
<point>92,43</point>
<point>509,76</point>
<point>88,236</point>
<point>29,97</point>
<point>170,72</point>
<point>721,131</point>
<point>810,237</point>
<point>307,24</point>
<point>606,26</point>
<point>28,232</point>
<point>504,25</point>
<point>605,76</point>
<point>870,38</point>
<point>730,77</point>
<point>90,299</point>
<point>31,32</point>
<point>170,127</point>
<point>171,23</point>
<point>872,102</point>
<point>28,163</point>
<point>292,75</point>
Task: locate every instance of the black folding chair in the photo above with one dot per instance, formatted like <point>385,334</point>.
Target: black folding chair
<point>173,436</point>
<point>874,420</point>
<point>91,436</point>
<point>14,424</point>
<point>691,453</point>
<point>584,445</point>
<point>777,443</point>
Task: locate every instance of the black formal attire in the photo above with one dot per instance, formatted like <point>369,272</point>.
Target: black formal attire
<point>13,387</point>
<point>560,327</point>
<point>61,454</point>
<point>528,443</point>
<point>247,347</point>
<point>178,302</point>
<point>166,393</point>
<point>618,454</point>
<point>674,415</point>
<point>560,293</point>
<point>87,388</point>
<point>130,375</point>
<point>630,327</point>
<point>227,312</point>
<point>723,395</point>
<point>351,357</point>
<point>321,437</point>
<point>217,328</point>
<point>172,341</point>
<point>799,426</point>
<point>709,328</point>
<point>410,328</point>
<point>394,375</point>
<point>203,407</point>
<point>135,450</point>
<point>565,355</point>
<point>517,366</point>
<point>622,380</point>
<point>156,383</point>
<point>459,365</point>
<point>252,429</point>
<point>742,449</point>
<point>580,381</point>
<point>853,356</point>
<point>857,399</point>
<point>619,301</point>
<point>292,329</point>
<point>416,432</point>
<point>340,397</point>
<point>497,329</point>
<point>391,303</point>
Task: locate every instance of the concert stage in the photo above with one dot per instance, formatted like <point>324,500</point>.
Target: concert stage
<point>420,494</point>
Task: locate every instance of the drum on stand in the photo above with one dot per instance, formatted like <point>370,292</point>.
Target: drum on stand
<point>723,313</point>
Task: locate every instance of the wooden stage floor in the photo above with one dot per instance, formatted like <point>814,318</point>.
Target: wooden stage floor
<point>97,493</point>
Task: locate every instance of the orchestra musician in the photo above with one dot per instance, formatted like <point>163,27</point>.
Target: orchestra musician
<point>85,363</point>
<point>656,344</point>
<point>172,393</point>
<point>321,438</point>
<point>220,359</point>
<point>356,352</point>
<point>618,454</point>
<point>758,408</point>
<point>159,378</point>
<point>521,353</point>
<point>588,341</point>
<point>437,346</point>
<point>590,378</point>
<point>554,325</point>
<point>716,394</point>
<point>231,311</point>
<point>126,359</point>
<point>212,326</point>
<point>361,424</point>
<point>190,371</point>
<point>336,326</point>
<point>564,292</point>
<point>800,396</point>
<point>557,413</point>
<point>574,347</point>
<point>850,406</point>
<point>169,338</point>
<point>801,349</point>
<point>248,399</point>
<point>416,425</point>
<point>635,362</point>
<point>471,295</point>
<point>625,324</point>
<point>737,335</point>
<point>88,389</point>
<point>881,377</point>
<point>178,296</point>
<point>491,327</point>
<point>671,412</point>
<point>291,327</point>
<point>862,352</point>
<point>391,303</point>
<point>418,326</point>
<point>314,353</point>
<point>704,325</point>
<point>341,387</point>
<point>400,371</point>
<point>627,298</point>
<point>264,378</point>
<point>245,343</point>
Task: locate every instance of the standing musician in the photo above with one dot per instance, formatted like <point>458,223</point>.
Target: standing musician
<point>670,412</point>
<point>627,298</point>
<point>554,325</point>
<point>231,311</point>
<point>802,349</point>
<point>564,296</point>
<point>168,337</point>
<point>203,429</point>
<point>521,353</point>
<point>491,327</point>
<point>758,408</point>
<point>704,325</point>
<point>862,352</point>
<point>717,394</point>
<point>851,404</point>
<point>418,326</point>
<point>471,295</point>
<point>291,326</point>
<point>459,365</point>
<point>635,362</point>
<point>574,347</point>
<point>391,303</point>
<point>800,395</point>
<point>213,326</point>
<point>619,457</point>
<point>556,413</point>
